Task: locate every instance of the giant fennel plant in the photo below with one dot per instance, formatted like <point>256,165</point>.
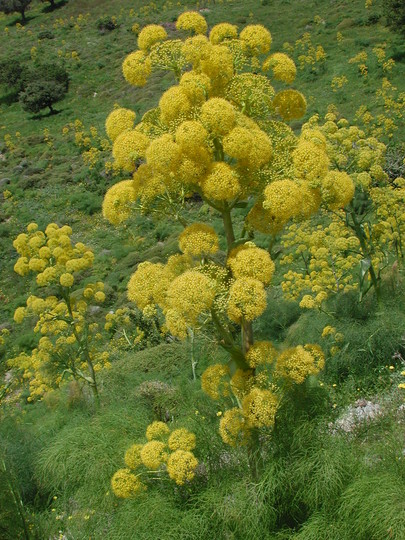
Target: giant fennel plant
<point>221,133</point>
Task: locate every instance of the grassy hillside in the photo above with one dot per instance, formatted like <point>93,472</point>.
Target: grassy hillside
<point>325,473</point>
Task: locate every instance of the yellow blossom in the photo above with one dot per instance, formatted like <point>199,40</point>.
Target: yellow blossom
<point>125,484</point>
<point>233,427</point>
<point>247,299</point>
<point>192,22</point>
<point>214,381</point>
<point>181,466</point>
<point>199,239</point>
<point>260,407</point>
<point>119,120</point>
<point>153,454</point>
<point>157,430</point>
<point>151,34</point>
<point>182,439</point>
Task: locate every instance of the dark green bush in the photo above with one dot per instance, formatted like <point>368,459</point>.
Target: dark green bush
<point>106,24</point>
<point>11,72</point>
<point>46,34</point>
<point>394,11</point>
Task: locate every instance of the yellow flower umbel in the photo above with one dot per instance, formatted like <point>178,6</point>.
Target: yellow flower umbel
<point>247,299</point>
<point>181,466</point>
<point>290,104</point>
<point>150,35</point>
<point>282,201</point>
<point>118,201</point>
<point>125,484</point>
<point>259,408</point>
<point>137,68</point>
<point>297,363</point>
<point>133,456</point>
<point>249,261</point>
<point>233,428</point>
<point>261,353</point>
<point>222,32</point>
<point>153,454</point>
<point>182,439</point>
<point>282,66</point>
<point>129,147</point>
<point>218,116</point>
<point>190,294</point>
<point>222,183</point>
<point>192,22</point>
<point>157,431</point>
<point>119,120</point>
<point>198,240</point>
<point>214,381</point>
<point>256,39</point>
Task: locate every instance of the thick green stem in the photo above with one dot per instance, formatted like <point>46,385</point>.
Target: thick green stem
<point>366,252</point>
<point>228,227</point>
<point>84,349</point>
<point>194,362</point>
<point>228,343</point>
<point>247,335</point>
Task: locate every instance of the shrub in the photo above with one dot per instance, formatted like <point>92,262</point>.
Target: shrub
<point>395,14</point>
<point>46,34</point>
<point>106,24</point>
<point>11,72</point>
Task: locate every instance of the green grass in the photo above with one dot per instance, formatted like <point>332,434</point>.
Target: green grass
<point>314,484</point>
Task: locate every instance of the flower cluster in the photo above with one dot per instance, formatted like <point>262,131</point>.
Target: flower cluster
<point>212,133</point>
<point>165,451</point>
<point>259,386</point>
<point>51,255</point>
<point>323,259</point>
<point>69,343</point>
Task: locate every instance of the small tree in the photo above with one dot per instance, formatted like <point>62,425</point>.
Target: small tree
<point>11,6</point>
<point>43,86</point>
<point>68,347</point>
<point>395,13</point>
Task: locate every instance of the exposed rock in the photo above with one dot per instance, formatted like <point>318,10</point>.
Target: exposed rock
<point>94,309</point>
<point>362,411</point>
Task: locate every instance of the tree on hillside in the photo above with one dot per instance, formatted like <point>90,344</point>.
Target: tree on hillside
<point>12,6</point>
<point>395,13</point>
<point>43,85</point>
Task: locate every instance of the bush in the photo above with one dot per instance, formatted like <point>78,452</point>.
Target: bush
<point>46,34</point>
<point>106,24</point>
<point>11,72</point>
<point>395,14</point>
